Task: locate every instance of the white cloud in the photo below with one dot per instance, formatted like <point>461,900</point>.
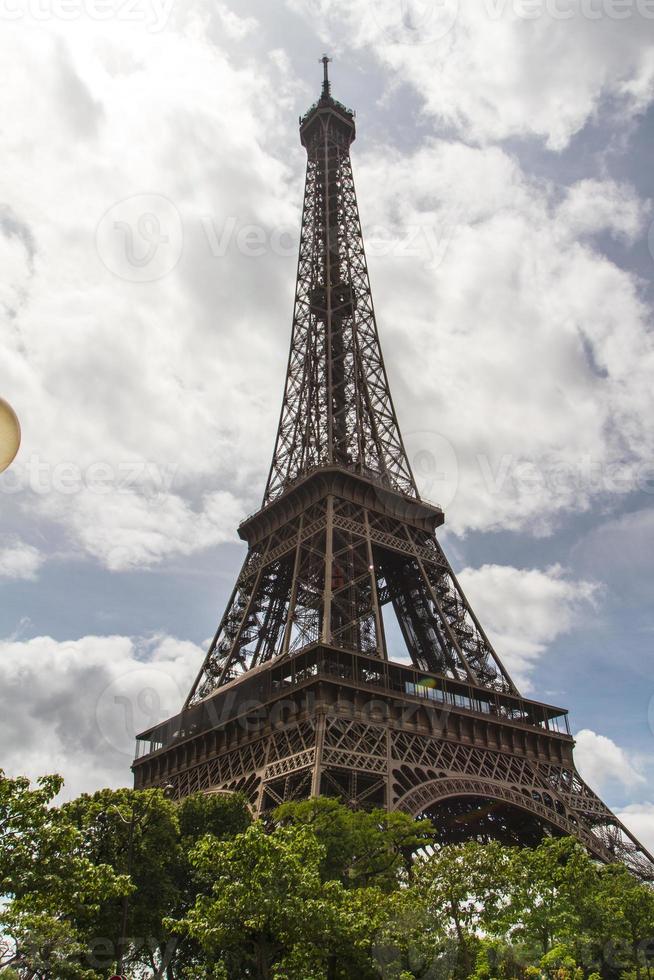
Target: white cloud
<point>524,610</point>
<point>522,345</point>
<point>639,818</point>
<point>162,390</point>
<point>19,560</point>
<point>132,530</point>
<point>602,763</point>
<point>508,333</point>
<point>592,206</point>
<point>235,27</point>
<point>503,68</point>
<point>74,707</point>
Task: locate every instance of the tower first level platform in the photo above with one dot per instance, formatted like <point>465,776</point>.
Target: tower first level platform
<point>327,721</point>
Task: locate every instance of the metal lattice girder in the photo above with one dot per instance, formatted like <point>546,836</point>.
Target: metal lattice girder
<point>337,406</point>
<point>325,575</point>
<point>555,793</point>
<point>327,572</point>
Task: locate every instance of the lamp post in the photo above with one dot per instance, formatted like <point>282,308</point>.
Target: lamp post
<point>168,792</point>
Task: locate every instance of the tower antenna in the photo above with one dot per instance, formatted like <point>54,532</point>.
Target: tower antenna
<point>326,87</point>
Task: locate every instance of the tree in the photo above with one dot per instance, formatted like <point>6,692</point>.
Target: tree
<point>463,886</point>
<point>626,909</point>
<point>498,960</point>
<point>413,940</point>
<point>48,882</point>
<point>164,882</point>
<point>318,892</point>
<point>552,892</point>
<point>271,914</point>
<point>361,847</point>
<point>136,832</point>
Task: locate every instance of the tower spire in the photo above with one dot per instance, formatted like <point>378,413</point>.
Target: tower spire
<point>326,86</point>
<point>337,407</point>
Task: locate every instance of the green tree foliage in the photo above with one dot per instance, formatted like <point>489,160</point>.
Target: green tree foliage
<point>271,914</point>
<point>318,892</point>
<point>626,911</point>
<point>361,847</point>
<point>48,882</point>
<point>460,885</point>
<point>551,898</point>
<point>164,881</point>
<point>107,820</point>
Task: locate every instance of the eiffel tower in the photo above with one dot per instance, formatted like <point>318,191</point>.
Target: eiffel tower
<point>301,693</point>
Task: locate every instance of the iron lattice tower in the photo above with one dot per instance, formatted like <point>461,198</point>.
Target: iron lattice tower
<point>297,694</point>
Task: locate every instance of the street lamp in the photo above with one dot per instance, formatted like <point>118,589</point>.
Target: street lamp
<point>168,793</point>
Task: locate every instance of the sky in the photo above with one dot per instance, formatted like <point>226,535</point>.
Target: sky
<point>151,193</point>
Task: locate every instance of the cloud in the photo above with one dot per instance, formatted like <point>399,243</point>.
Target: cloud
<point>506,332</point>
<point>127,529</point>
<point>82,112</point>
<point>19,560</point>
<point>74,707</point>
<point>164,392</point>
<point>639,818</point>
<point>602,763</point>
<point>525,610</point>
<point>522,345</point>
<point>497,69</point>
<point>17,250</point>
<point>593,206</point>
<point>235,27</point>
